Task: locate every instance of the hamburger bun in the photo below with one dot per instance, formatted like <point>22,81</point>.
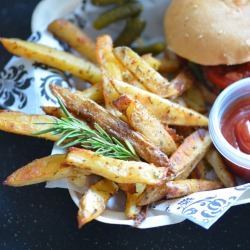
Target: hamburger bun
<point>209,32</point>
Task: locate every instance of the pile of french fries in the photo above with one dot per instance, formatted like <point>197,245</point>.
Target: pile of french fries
<point>131,98</point>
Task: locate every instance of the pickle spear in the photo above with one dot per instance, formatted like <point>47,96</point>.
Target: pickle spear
<point>132,30</point>
<point>117,13</point>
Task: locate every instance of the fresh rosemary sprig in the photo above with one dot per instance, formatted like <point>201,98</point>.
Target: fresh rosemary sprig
<point>74,132</point>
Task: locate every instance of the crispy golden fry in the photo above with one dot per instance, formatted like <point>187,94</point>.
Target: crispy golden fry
<point>44,169</point>
<point>92,113</point>
<point>184,131</point>
<point>74,37</point>
<point>105,57</point>
<point>26,124</point>
<point>116,170</point>
<point>182,188</point>
<point>182,82</point>
<point>189,153</point>
<point>53,111</point>
<point>57,112</point>
<point>127,187</point>
<point>141,216</point>
<point>94,201</point>
<point>110,94</point>
<point>176,189</point>
<point>200,171</point>
<point>194,99</point>
<point>135,83</point>
<point>109,66</point>
<point>152,61</point>
<point>152,194</point>
<point>163,109</point>
<point>132,210</point>
<point>215,160</point>
<point>144,73</point>
<point>180,100</point>
<point>208,95</point>
<point>94,92</point>
<point>79,180</point>
<point>55,58</point>
<point>141,120</point>
<point>168,65</point>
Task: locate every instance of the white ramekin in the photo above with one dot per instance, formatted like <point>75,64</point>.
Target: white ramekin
<point>239,162</point>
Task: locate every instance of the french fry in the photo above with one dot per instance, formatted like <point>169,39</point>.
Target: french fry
<point>208,95</point>
<point>200,171</point>
<point>152,194</point>
<point>181,82</point>
<point>105,57</point>
<point>180,100</point>
<point>26,124</point>
<point>44,169</point>
<point>141,120</point>
<point>74,37</point>
<point>94,92</point>
<point>57,112</point>
<point>163,109</point>
<point>55,58</point>
<point>94,201</point>
<point>141,216</point>
<point>110,94</point>
<point>176,189</point>
<point>79,180</point>
<point>189,153</point>
<point>135,83</point>
<point>144,73</point>
<point>127,187</point>
<point>92,113</point>
<point>53,111</point>
<point>194,99</point>
<point>109,66</point>
<point>182,188</point>
<point>132,210</point>
<point>168,65</point>
<point>152,61</point>
<point>116,170</point>
<point>215,160</point>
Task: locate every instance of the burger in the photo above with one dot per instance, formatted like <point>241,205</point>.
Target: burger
<point>213,35</point>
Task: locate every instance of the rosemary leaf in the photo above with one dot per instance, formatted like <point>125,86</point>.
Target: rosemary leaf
<point>75,132</point>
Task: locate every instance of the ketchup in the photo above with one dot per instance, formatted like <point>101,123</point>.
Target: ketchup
<point>235,125</point>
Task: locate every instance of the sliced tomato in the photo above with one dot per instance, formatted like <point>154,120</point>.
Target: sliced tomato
<point>223,75</point>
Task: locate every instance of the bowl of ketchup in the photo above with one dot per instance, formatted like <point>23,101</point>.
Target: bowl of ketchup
<point>229,126</point>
